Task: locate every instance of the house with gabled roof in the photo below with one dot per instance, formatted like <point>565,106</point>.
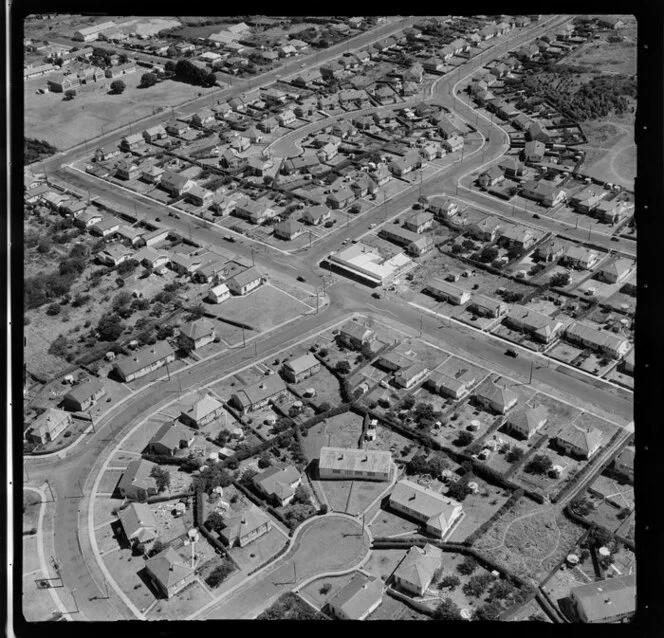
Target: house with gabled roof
<point>138,523</point>
<point>354,335</point>
<point>416,571</point>
<point>205,410</point>
<point>288,229</point>
<point>453,384</point>
<point>418,222</point>
<point>624,463</point>
<point>196,334</point>
<point>411,376</point>
<point>527,421</point>
<point>612,212</point>
<point>48,426</point>
<point>579,441</point>
<point>539,326</point>
<point>437,513</point>
<point>606,343</point>
<point>443,290</point>
<point>114,254</point>
<point>136,483</point>
<point>278,483</point>
<point>154,133</point>
<point>615,271</point>
<point>543,191</point>
<point>491,177</point>
<point>245,527</point>
<point>496,398</point>
<point>175,184</point>
<point>259,394</point>
<point>580,257</point>
<point>340,199</point>
<point>169,572</point>
<point>360,597</point>
<point>300,368</point>
<point>246,281</point>
<point>143,361</point>
<point>533,151</point>
<point>316,215</point>
<point>81,397</point>
<point>170,438</point>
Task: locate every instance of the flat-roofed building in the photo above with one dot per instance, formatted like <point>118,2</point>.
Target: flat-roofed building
<point>369,263</point>
<point>354,464</point>
<point>606,601</point>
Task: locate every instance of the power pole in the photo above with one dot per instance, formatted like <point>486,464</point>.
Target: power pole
<point>92,421</point>
<point>244,341</point>
<point>252,255</point>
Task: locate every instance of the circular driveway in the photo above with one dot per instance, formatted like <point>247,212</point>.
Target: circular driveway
<point>328,543</point>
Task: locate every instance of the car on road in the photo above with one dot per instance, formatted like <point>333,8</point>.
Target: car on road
<point>614,239</point>
<point>536,216</point>
<point>345,241</point>
<point>157,219</point>
<point>510,352</point>
<point>229,238</point>
<point>328,224</point>
<point>372,225</point>
<point>376,295</point>
<point>300,278</point>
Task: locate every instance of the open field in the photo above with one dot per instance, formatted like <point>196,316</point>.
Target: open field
<point>260,550</point>
<point>30,555</point>
<point>67,123</point>
<point>313,594</point>
<point>37,603</point>
<point>383,562</point>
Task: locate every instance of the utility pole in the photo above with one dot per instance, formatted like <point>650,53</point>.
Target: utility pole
<point>92,421</point>
<point>244,341</point>
<point>252,255</point>
<point>25,467</point>
<point>421,325</point>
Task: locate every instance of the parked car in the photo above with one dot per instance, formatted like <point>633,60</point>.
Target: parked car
<point>614,239</point>
<point>229,238</point>
<point>300,278</point>
<point>376,295</point>
<point>536,216</point>
<point>511,353</point>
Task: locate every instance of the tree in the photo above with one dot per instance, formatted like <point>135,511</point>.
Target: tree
<point>53,309</point>
<point>463,438</point>
<point>302,495</point>
<point>424,411</point>
<point>450,582</point>
<point>467,566</point>
<point>118,87</point>
<point>514,454</point>
<point>298,513</point>
<point>488,254</point>
<point>342,367</point>
<point>560,280</point>
<point>447,610</point>
<point>215,521</point>
<point>323,407</point>
<point>408,403</point>
<point>488,611</point>
<point>59,346</point>
<point>147,80</point>
<point>156,548</point>
<point>581,506</point>
<point>127,267</point>
<point>502,590</point>
<point>162,477</point>
<point>458,491</point>
<point>539,464</point>
<point>265,460</point>
<point>44,246</point>
<point>457,249</point>
<point>477,585</point>
<point>220,573</point>
<point>468,244</point>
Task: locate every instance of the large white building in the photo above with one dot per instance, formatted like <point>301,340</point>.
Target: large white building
<point>367,262</point>
<point>351,463</point>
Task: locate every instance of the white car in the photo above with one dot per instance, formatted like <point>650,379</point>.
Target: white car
<point>372,225</point>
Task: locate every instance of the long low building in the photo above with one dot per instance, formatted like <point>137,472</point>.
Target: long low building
<point>144,361</point>
<point>606,601</point>
<point>540,326</point>
<point>351,463</point>
<point>612,345</point>
<point>368,263</point>
<point>438,513</point>
<point>443,290</point>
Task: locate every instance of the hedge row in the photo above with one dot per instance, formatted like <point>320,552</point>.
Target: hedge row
<point>171,497</point>
<point>164,459</point>
<point>410,602</point>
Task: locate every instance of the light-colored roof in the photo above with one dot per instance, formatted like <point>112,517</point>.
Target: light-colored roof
<point>437,510</point>
<point>357,597</point>
<point>84,391</point>
<point>144,357</point>
<point>585,439</point>
<point>203,407</point>
<point>244,523</point>
<point>492,392</point>
<point>445,287</point>
<point>302,364</point>
<point>197,329</point>
<point>598,338</point>
<point>529,419</point>
<point>355,330</point>
<point>350,459</point>
<point>138,518</point>
<point>626,457</point>
<point>170,435</point>
<point>261,390</point>
<point>278,480</point>
<point>49,420</point>
<point>419,565</point>
<point>605,599</point>
<point>247,276</point>
<point>137,474</point>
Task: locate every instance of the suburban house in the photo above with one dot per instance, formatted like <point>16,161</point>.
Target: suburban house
<point>246,281</point>
<point>154,133</point>
<point>579,257</point>
<point>550,251</point>
<point>606,601</point>
<point>493,397</point>
<point>136,483</point>
<point>453,385</point>
<point>286,117</point>
<point>624,463</point>
<point>488,229</point>
<point>204,411</point>
<point>138,523</point>
<point>169,572</point>
<point>62,83</point>
<point>539,326</point>
<point>245,527</point>
<point>545,192</point>
<point>415,572</point>
<point>184,264</point>
<point>358,598</point>
<point>259,394</point>
<point>354,335</point>
<point>340,198</point>
<point>176,128</point>
<point>155,236</point>
<point>144,361</point>
<point>579,441</point>
<point>520,237</point>
<point>436,512</point>
<point>130,142</point>
<point>615,271</point>
<point>393,361</point>
<point>491,177</point>
<point>418,222</point>
<point>278,483</point>
<point>199,196</point>
<point>533,151</point>
<point>203,117</point>
<point>114,254</point>
<point>443,207</point>
<point>175,183</point>
<point>300,368</point>
<point>612,212</point>
<point>316,215</point>
<point>83,396</point>
<point>219,293</point>
<point>536,132</point>
<point>414,243</point>
<point>253,211</point>
<point>587,199</point>
<point>410,376</point>
<point>527,421</point>
<point>170,438</point>
<point>445,291</point>
<point>403,165</point>
<point>133,235</point>
<point>354,464</point>
<point>48,426</point>
<point>127,170</point>
<point>605,343</point>
<point>288,229</point>
<point>196,334</point>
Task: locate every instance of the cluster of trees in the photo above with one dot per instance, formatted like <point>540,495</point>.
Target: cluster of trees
<point>560,280</point>
<point>289,606</point>
<point>118,87</point>
<point>110,327</point>
<point>162,477</point>
<point>467,566</point>
<point>212,476</point>
<point>463,438</point>
<point>35,150</point>
<point>539,464</point>
<point>220,573</point>
<point>432,466</point>
<point>189,72</point>
<point>147,80</point>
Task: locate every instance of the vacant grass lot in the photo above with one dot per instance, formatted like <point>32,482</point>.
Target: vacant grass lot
<point>383,562</point>
<point>124,568</point>
<point>67,123</point>
<point>260,550</point>
<point>185,602</point>
<point>313,594</point>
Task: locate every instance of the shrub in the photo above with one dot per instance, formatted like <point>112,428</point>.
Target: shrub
<point>467,566</point>
<point>53,309</point>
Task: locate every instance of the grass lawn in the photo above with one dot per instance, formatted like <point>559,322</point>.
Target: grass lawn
<point>363,494</point>
<point>30,555</point>
<point>258,551</point>
<point>104,507</point>
<point>31,507</point>
<point>122,458</point>
<point>312,592</point>
<point>384,561</point>
<point>325,384</point>
<point>109,481</point>
<point>337,493</point>
<point>343,430</point>
<point>529,610</point>
<point>185,602</point>
<point>388,524</point>
<point>124,568</point>
<point>106,541</point>
<point>67,123</point>
<point>393,609</point>
<point>37,603</point>
<point>478,509</point>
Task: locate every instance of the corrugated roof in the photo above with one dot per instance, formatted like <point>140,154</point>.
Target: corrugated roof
<point>354,460</point>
